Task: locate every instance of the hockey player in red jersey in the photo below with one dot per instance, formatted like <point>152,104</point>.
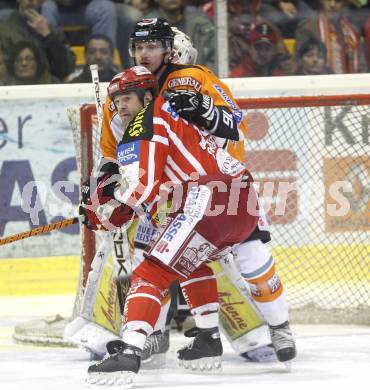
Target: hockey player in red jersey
<point>161,155</point>
<point>153,45</point>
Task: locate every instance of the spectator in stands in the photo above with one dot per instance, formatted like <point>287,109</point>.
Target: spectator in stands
<point>192,22</point>
<point>6,8</point>
<point>358,12</point>
<point>25,65</point>
<point>128,14</point>
<point>247,10</point>
<point>98,15</point>
<point>142,6</point>
<point>339,35</point>
<point>3,69</point>
<point>98,50</point>
<point>359,15</point>
<point>312,58</point>
<point>241,15</point>
<point>263,57</point>
<point>367,41</point>
<point>195,3</point>
<point>27,24</point>
<point>287,14</point>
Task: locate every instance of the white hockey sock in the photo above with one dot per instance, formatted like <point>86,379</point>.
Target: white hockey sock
<point>207,320</point>
<point>275,312</point>
<point>161,322</point>
<point>134,338</point>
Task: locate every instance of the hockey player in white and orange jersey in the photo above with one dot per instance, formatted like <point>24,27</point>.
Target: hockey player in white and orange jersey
<point>151,45</point>
<point>158,151</point>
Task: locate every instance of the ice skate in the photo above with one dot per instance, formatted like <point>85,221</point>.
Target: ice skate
<point>204,351</point>
<point>155,348</point>
<point>283,343</point>
<point>118,368</point>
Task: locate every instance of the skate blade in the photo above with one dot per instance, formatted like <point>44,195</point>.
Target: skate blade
<point>288,366</point>
<point>124,379</point>
<point>154,362</point>
<point>207,364</point>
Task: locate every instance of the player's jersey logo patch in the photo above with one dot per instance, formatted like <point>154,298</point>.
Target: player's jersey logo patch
<point>168,108</point>
<point>128,153</point>
<point>182,81</point>
<point>238,114</point>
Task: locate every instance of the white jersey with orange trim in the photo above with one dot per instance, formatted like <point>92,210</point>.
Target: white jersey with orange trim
<point>192,77</point>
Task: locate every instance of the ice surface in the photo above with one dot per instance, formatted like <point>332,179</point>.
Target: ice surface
<point>329,357</point>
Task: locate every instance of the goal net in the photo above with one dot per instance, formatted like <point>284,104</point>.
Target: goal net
<point>310,157</point>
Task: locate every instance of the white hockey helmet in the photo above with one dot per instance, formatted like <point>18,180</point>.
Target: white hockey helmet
<point>183,51</point>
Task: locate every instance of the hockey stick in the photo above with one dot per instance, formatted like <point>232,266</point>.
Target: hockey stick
<point>98,104</point>
<point>116,237</point>
<point>89,326</point>
<point>40,230</point>
<point>229,266</point>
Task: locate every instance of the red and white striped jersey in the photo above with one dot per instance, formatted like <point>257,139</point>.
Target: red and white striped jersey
<point>159,149</point>
<point>192,77</point>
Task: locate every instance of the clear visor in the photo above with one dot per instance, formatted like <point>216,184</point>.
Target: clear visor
<point>151,48</point>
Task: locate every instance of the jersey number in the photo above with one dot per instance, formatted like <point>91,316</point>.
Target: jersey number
<point>227,119</point>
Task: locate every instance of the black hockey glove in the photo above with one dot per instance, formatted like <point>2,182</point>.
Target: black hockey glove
<point>106,168</point>
<point>193,107</point>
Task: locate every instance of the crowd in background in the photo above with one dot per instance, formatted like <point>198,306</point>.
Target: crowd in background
<point>326,36</point>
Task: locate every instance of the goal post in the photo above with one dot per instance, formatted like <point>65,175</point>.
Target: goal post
<point>86,143</point>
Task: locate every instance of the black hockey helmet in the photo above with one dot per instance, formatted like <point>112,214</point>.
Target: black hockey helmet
<point>156,29</point>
